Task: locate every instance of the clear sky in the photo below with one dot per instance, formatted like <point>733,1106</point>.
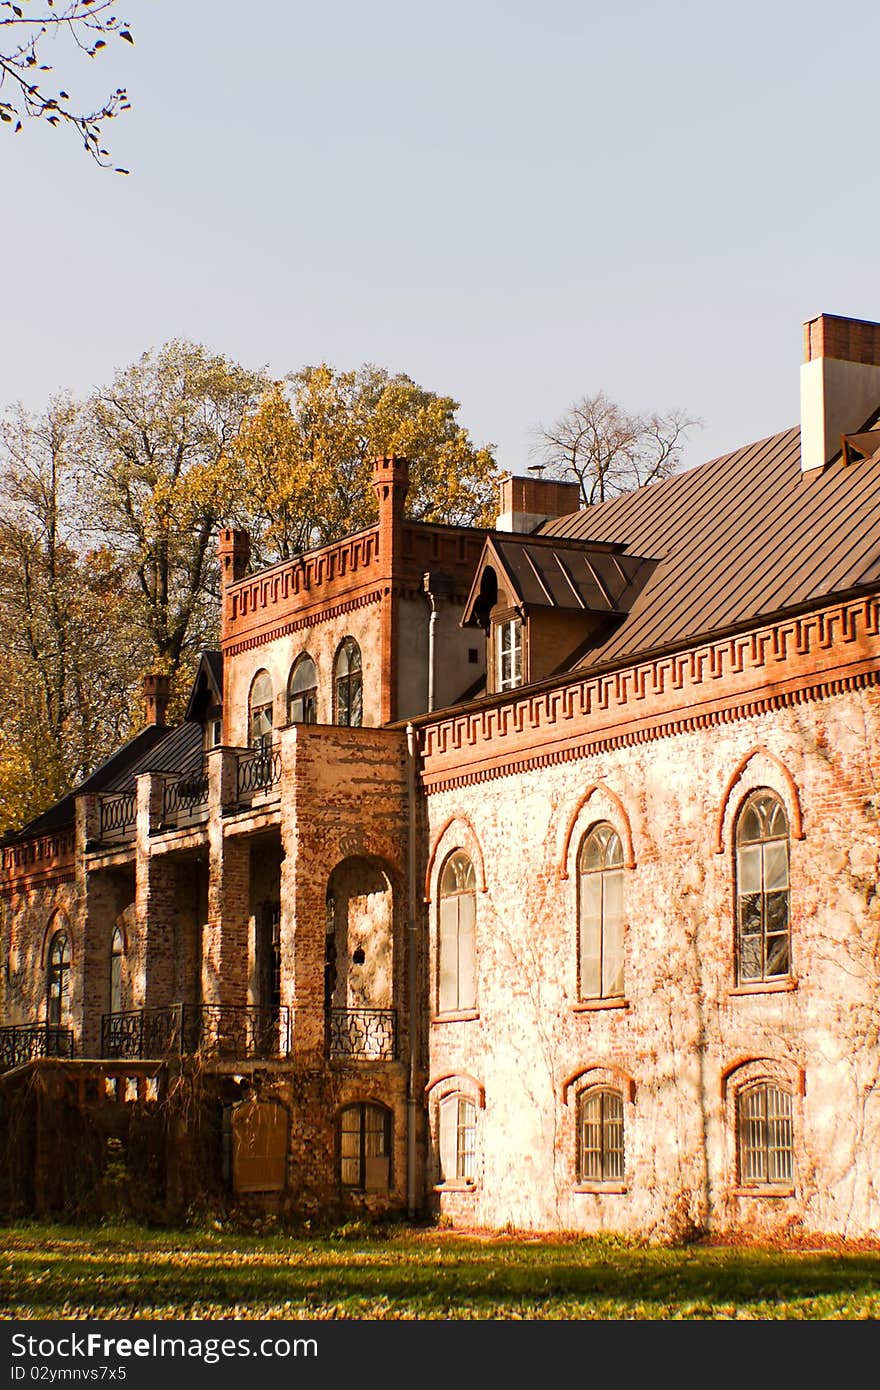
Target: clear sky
<point>514,203</point>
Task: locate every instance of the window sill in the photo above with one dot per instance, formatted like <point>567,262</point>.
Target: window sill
<point>456,1016</point>
<point>784,985</point>
<point>458,1185</point>
<point>763,1190</point>
<point>612,1188</point>
<point>588,1006</point>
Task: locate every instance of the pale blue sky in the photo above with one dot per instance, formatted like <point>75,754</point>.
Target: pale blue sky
<point>515,204</point>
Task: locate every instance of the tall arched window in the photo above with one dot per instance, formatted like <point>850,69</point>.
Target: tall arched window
<point>365,1147</point>
<point>765,1135</point>
<point>58,981</point>
<point>457,973</point>
<point>348,691</point>
<point>260,711</point>
<point>763,939</point>
<point>117,957</point>
<point>302,692</point>
<point>601,1156</point>
<point>600,914</point>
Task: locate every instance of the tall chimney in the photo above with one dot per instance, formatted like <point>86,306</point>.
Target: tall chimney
<point>840,384</point>
<point>156,694</point>
<point>527,502</point>
<point>234,550</point>
<point>390,481</point>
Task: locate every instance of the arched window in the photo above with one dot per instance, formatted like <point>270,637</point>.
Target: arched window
<point>365,1147</point>
<point>260,711</point>
<point>765,1135</point>
<point>458,1136</point>
<point>117,956</point>
<point>763,940</point>
<point>457,973</point>
<point>601,1155</point>
<point>302,692</point>
<point>58,981</point>
<point>600,913</point>
<point>348,689</point>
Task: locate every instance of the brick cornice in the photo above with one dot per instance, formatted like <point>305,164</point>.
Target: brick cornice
<point>787,662</point>
<point>319,615</point>
<point>44,859</point>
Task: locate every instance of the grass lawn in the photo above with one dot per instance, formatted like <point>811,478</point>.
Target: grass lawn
<point>129,1271</point>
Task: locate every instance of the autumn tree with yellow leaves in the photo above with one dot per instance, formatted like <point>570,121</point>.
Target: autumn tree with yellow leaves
<point>304,458</point>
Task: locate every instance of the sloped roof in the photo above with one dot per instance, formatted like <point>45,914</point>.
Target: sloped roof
<point>581,576</point>
<point>740,538</point>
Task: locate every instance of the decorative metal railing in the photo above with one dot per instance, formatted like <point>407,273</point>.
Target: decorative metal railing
<point>258,770</point>
<point>184,798</point>
<point>213,1030</point>
<point>118,815</point>
<point>24,1042</point>
<point>364,1033</point>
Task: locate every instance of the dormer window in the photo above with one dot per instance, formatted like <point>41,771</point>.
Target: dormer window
<point>509,653</point>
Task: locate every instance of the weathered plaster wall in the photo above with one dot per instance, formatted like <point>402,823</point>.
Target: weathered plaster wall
<point>683,1024</point>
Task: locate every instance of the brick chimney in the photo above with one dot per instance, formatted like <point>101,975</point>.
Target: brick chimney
<point>156,694</point>
<point>526,502</point>
<point>840,384</point>
<point>234,550</point>
<point>391,481</point>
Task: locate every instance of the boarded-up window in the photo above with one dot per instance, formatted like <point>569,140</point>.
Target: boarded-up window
<point>259,1146</point>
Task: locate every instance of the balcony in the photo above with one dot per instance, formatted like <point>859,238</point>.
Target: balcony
<point>364,1034</point>
<point>259,772</point>
<point>184,801</point>
<point>219,1031</point>
<point>118,816</point>
<point>25,1042</point>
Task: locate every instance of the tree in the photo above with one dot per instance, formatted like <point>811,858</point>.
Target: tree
<point>609,451</point>
<point>305,458</point>
<point>25,94</point>
<point>155,466</point>
<point>70,653</point>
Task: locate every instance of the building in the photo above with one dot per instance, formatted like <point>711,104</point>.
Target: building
<point>528,876</point>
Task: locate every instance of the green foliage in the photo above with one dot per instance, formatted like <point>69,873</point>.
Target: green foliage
<point>127,1270</point>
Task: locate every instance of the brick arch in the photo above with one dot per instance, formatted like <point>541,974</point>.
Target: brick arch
<point>471,1081</point>
<point>472,847</point>
<point>629,856</point>
<point>609,1071</point>
<point>58,922</point>
<point>746,1070</point>
<point>797,824</point>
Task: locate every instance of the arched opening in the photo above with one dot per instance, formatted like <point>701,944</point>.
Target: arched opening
<point>359,961</point>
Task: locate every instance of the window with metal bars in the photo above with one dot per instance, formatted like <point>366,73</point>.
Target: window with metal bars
<point>763,902</point>
<point>766,1135</point>
<point>600,1136</point>
<point>458,1138</point>
<point>365,1147</point>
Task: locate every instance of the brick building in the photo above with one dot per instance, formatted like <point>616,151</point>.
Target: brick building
<point>525,875</point>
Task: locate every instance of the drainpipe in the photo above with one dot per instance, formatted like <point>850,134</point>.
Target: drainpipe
<point>435,585</point>
<point>412,974</point>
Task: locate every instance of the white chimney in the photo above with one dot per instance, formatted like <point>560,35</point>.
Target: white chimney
<point>840,384</point>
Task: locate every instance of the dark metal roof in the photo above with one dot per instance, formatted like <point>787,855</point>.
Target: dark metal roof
<point>180,752</point>
<point>739,538</point>
<point>587,577</point>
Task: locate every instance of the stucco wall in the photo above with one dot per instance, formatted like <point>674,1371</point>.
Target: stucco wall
<point>682,1026</point>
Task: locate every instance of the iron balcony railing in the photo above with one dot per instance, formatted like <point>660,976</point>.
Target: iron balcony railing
<point>363,1033</point>
<point>258,770</point>
<point>118,815</point>
<point>25,1042</point>
<point>184,799</point>
<point>214,1030</point>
